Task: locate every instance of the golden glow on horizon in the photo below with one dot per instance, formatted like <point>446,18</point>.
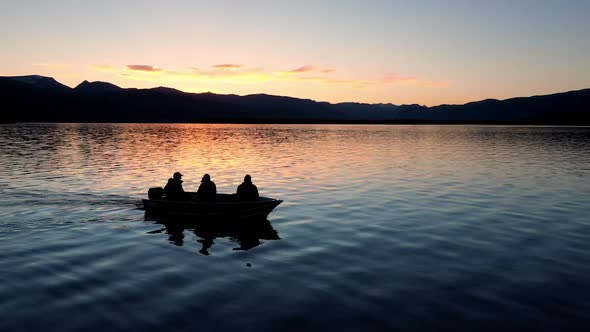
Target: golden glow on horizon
<point>314,82</point>
<point>240,74</point>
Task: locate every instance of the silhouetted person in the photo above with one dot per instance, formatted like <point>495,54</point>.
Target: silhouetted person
<point>247,191</point>
<point>207,190</point>
<point>173,189</point>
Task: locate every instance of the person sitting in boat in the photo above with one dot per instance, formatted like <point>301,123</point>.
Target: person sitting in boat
<point>247,191</point>
<point>207,190</point>
<point>173,189</point>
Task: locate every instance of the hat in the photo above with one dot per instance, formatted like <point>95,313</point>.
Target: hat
<point>177,174</point>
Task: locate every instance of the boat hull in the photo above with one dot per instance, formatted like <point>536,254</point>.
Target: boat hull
<point>224,207</point>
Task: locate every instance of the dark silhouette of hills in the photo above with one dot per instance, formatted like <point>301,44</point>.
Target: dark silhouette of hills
<point>41,82</point>
<point>97,87</point>
<point>43,99</point>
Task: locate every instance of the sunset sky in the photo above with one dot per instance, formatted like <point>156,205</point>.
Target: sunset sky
<point>378,51</point>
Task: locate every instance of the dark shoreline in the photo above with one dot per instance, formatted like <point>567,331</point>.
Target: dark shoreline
<point>42,99</point>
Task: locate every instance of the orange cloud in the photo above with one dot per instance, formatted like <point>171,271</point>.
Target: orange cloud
<point>143,68</point>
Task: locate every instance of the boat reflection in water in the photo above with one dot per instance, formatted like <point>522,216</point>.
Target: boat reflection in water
<point>247,234</point>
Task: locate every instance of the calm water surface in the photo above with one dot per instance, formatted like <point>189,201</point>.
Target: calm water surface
<point>383,228</point>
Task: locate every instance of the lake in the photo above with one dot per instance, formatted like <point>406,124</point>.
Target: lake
<point>383,228</point>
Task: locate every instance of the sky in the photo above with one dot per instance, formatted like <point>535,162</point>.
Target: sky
<point>376,51</point>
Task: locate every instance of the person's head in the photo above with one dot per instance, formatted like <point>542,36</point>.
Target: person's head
<point>206,178</point>
<point>177,176</point>
<point>248,178</point>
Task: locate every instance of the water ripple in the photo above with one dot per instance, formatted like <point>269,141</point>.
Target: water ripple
<point>416,228</point>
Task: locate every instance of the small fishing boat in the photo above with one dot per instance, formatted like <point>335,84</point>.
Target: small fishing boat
<point>223,207</point>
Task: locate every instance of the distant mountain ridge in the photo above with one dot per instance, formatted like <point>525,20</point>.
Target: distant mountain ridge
<point>95,87</point>
<point>41,82</point>
<point>42,99</point>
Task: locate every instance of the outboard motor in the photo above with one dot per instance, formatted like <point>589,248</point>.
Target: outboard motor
<point>156,193</point>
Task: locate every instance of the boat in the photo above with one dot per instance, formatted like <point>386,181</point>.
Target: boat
<point>225,206</point>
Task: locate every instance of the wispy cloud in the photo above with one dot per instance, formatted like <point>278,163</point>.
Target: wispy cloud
<point>302,69</point>
<point>309,69</point>
<point>147,68</point>
<point>228,66</point>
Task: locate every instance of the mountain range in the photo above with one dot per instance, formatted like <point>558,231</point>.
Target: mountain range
<point>43,99</point>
